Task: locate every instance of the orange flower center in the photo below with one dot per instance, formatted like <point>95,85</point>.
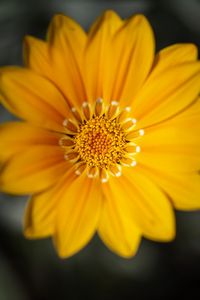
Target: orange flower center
<point>100,142</point>
<point>101,139</point>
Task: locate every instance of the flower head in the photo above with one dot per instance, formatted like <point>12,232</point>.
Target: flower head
<point>109,140</point>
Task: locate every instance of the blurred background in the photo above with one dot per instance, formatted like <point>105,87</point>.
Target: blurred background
<point>31,270</point>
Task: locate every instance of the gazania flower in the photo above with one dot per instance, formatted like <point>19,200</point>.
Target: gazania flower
<point>109,141</point>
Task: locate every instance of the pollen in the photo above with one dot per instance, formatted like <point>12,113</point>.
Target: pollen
<point>101,139</point>
<point>100,142</point>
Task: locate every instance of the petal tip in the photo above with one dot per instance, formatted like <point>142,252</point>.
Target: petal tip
<point>192,50</point>
<point>110,14</point>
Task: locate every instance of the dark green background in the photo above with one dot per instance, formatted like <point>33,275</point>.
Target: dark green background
<point>30,270</point>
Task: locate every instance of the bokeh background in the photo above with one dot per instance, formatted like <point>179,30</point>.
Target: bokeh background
<point>31,270</point>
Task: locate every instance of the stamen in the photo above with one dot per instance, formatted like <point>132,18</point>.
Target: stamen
<point>116,170</point>
<point>66,142</point>
<point>128,161</point>
<point>86,110</point>
<point>138,149</point>
<point>99,107</point>
<point>71,126</point>
<point>124,114</point>
<point>104,176</point>
<point>141,132</point>
<point>135,134</point>
<point>113,109</point>
<point>80,168</point>
<point>134,163</point>
<point>129,123</point>
<point>76,114</point>
<point>100,142</point>
<point>127,109</point>
<point>92,172</point>
<point>101,139</point>
<point>71,156</point>
<point>132,148</point>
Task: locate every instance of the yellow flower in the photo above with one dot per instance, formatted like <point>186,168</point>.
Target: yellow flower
<point>109,140</point>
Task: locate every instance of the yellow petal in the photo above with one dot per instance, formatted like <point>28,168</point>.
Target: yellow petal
<point>33,98</point>
<point>78,215</point>
<point>174,55</point>
<point>148,207</point>
<point>40,214</point>
<point>117,229</point>
<point>133,54</point>
<point>182,188</point>
<point>167,93</point>
<point>182,157</point>
<point>16,137</point>
<point>33,170</point>
<point>98,68</point>
<point>39,217</point>
<point>186,121</point>
<point>66,43</point>
<point>171,158</point>
<point>184,191</point>
<point>36,56</point>
<point>173,145</point>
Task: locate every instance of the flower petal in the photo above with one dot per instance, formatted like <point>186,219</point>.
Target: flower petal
<point>66,44</point>
<point>182,188</point>
<point>98,71</point>
<point>171,159</point>
<point>148,207</point>
<point>174,55</point>
<point>33,170</point>
<point>78,215</point>
<point>167,93</point>
<point>133,55</point>
<point>40,214</point>
<point>118,231</point>
<point>33,98</point>
<point>173,145</point>
<point>16,137</point>
<point>36,56</point>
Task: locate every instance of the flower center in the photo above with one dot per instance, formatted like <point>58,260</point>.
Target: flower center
<point>101,139</point>
<point>100,142</point>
